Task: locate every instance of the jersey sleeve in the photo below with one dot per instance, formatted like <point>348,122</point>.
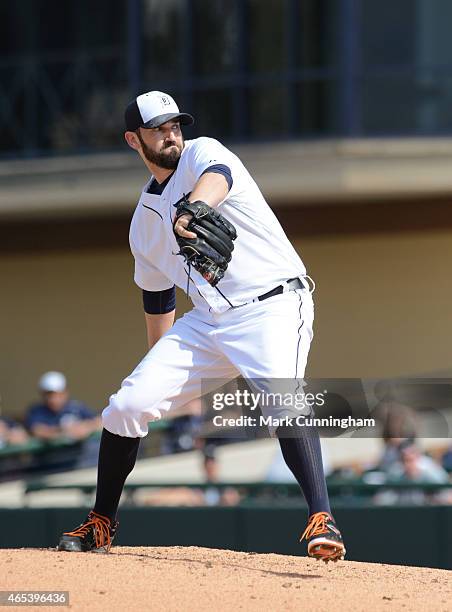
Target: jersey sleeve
<point>207,152</point>
<point>146,275</point>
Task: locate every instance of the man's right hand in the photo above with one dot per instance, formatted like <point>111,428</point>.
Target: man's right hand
<point>180,227</point>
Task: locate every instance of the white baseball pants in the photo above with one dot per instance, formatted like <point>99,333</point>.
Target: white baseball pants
<point>261,340</point>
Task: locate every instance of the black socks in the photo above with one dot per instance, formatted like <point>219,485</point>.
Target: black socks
<point>300,447</point>
<point>117,456</point>
<point>302,453</point>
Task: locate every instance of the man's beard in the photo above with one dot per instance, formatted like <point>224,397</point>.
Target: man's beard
<point>167,157</point>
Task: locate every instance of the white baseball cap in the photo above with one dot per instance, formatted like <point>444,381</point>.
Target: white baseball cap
<point>152,109</point>
<point>52,382</point>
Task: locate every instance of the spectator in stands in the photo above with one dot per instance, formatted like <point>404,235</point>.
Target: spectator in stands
<point>214,496</point>
<point>415,467</point>
<point>180,434</point>
<point>57,415</point>
<point>447,460</point>
<point>391,453</point>
<point>399,423</point>
<point>11,432</point>
<point>394,410</point>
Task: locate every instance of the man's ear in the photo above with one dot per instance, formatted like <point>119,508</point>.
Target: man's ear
<point>132,140</point>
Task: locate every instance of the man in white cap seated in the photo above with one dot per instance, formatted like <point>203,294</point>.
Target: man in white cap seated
<point>57,415</point>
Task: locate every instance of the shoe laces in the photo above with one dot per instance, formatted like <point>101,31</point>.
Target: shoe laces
<point>101,526</point>
<point>317,525</point>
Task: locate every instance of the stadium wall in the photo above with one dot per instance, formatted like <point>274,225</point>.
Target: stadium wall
<point>369,530</point>
<point>382,305</point>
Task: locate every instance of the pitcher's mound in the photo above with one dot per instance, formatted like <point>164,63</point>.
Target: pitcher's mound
<point>202,579</point>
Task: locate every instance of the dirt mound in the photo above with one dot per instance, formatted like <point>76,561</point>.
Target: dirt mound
<point>182,578</point>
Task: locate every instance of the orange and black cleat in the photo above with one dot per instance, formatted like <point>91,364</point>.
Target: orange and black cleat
<point>95,534</point>
<point>324,538</point>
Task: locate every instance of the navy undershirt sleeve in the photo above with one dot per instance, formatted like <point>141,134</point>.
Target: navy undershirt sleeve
<point>159,302</point>
<point>221,169</point>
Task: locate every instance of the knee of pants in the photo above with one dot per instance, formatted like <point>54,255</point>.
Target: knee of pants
<point>129,412</point>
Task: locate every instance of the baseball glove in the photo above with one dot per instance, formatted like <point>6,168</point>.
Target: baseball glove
<point>211,251</point>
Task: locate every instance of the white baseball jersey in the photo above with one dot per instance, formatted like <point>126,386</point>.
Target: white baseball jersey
<point>262,258</point>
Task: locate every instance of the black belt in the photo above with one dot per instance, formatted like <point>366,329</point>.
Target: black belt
<point>292,283</point>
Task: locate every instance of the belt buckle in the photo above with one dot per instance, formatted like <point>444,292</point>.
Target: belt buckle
<point>268,294</point>
<point>299,282</point>
<point>286,286</point>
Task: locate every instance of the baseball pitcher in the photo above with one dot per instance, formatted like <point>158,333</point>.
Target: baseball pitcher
<point>203,225</point>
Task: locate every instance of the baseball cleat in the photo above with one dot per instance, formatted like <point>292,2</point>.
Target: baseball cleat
<point>324,538</point>
<point>95,534</point>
